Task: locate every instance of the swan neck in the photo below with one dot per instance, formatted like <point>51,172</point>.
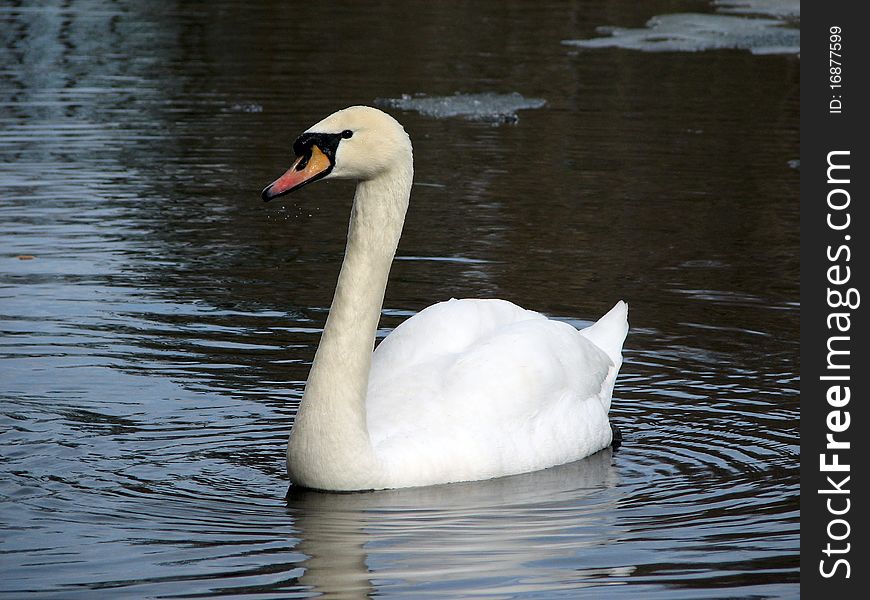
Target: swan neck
<point>330,430</point>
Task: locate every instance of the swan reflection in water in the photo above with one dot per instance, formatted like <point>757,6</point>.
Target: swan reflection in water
<point>456,538</point>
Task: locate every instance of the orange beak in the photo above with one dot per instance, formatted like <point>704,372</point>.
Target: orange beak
<point>307,168</point>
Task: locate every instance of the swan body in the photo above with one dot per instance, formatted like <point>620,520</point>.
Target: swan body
<point>464,390</point>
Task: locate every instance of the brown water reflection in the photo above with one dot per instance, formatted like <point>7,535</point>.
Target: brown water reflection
<point>153,351</point>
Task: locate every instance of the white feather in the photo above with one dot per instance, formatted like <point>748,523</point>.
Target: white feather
<point>474,389</point>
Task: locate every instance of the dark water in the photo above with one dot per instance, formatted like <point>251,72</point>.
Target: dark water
<point>156,346</point>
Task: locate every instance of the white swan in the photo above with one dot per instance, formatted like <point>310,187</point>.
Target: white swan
<point>466,389</point>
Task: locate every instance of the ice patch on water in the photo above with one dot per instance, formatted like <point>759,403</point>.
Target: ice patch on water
<point>691,32</point>
<point>781,9</point>
<point>488,107</point>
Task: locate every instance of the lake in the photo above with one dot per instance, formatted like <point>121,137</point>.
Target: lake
<point>158,320</point>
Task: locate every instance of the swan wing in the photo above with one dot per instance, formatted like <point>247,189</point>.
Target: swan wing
<point>471,389</point>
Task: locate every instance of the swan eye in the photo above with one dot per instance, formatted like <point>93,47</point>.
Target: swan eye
<point>347,133</point>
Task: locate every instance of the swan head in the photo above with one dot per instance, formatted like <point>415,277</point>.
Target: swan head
<point>359,143</point>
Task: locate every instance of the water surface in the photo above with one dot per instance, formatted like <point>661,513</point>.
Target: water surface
<point>158,320</point>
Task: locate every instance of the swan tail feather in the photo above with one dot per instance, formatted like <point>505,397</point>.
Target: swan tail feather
<point>608,333</point>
